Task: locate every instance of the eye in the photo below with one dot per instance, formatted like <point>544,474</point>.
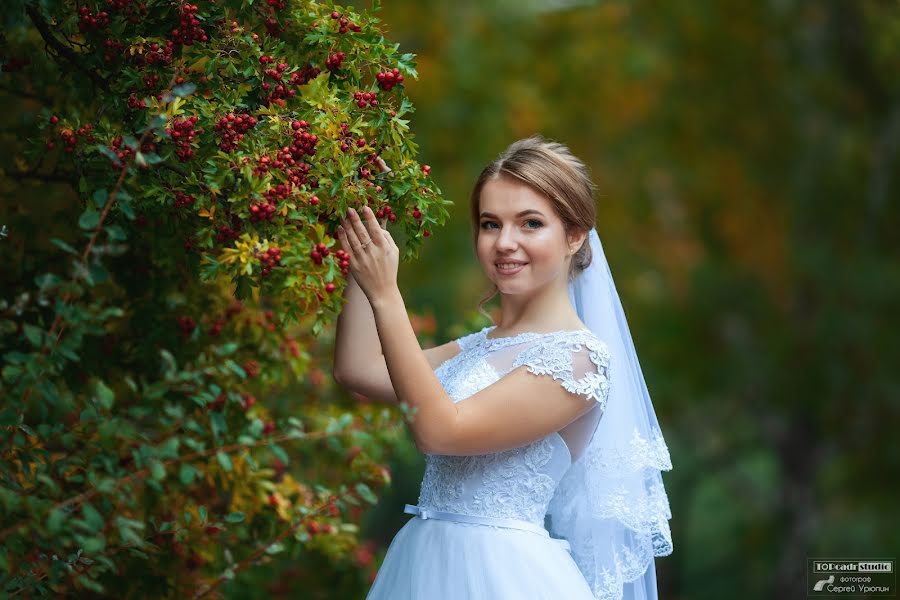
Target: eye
<point>485,224</point>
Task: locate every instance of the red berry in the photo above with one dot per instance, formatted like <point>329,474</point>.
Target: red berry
<point>54,119</point>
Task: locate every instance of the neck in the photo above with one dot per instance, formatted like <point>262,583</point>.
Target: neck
<point>547,309</point>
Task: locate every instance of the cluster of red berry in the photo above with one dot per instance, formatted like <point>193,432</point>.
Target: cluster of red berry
<point>233,128</point>
<point>153,54</point>
<point>304,141</point>
<point>277,4</point>
<point>182,199</point>
<point>234,308</point>
<point>319,253</point>
<point>364,98</point>
<point>189,30</point>
<point>123,152</point>
<point>70,139</point>
<point>226,233</point>
<point>88,21</point>
<point>265,210</point>
<point>426,169</point>
<point>279,92</point>
<point>269,259</point>
<point>134,102</point>
<point>186,326</point>
<point>388,79</point>
<point>272,27</point>
<point>112,49</point>
<point>344,23</point>
<point>183,132</point>
<point>151,81</point>
<point>386,211</point>
<point>251,367</point>
<point>304,75</point>
<point>333,62</point>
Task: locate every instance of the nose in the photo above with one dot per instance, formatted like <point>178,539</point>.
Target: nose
<point>506,239</point>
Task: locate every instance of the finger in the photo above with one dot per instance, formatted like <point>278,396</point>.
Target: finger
<point>382,164</point>
<point>374,228</point>
<point>353,237</point>
<point>360,229</point>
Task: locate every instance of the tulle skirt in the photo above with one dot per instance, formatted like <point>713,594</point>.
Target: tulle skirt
<point>433,559</point>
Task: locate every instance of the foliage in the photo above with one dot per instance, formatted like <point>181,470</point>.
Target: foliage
<point>207,153</point>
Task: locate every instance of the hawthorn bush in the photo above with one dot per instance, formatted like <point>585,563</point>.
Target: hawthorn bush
<point>206,153</point>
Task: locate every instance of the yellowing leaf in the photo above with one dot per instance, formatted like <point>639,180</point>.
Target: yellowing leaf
<point>207,213</point>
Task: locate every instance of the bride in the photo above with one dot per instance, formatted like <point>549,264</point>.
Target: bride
<point>543,452</point>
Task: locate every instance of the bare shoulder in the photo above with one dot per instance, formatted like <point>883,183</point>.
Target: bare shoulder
<point>442,353</point>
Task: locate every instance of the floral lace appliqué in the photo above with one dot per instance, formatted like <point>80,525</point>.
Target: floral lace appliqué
<point>515,483</point>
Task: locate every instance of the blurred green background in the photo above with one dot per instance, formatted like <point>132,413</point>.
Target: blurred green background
<point>747,160</point>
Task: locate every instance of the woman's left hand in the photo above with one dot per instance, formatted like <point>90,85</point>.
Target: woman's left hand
<point>374,256</point>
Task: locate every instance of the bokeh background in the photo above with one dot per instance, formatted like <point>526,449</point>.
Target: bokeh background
<point>747,160</point>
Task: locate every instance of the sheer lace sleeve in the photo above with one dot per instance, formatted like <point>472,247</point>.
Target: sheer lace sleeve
<point>466,341</point>
<point>579,362</point>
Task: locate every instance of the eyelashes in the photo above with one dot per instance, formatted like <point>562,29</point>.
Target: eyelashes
<point>539,224</point>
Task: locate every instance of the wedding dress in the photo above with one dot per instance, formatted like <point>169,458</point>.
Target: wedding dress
<point>479,530</point>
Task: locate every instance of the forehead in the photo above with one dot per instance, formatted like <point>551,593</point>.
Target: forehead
<point>506,197</point>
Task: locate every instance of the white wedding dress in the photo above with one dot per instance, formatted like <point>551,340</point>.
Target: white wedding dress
<point>479,532</point>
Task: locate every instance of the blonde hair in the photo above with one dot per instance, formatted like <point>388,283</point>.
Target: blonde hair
<point>550,169</point>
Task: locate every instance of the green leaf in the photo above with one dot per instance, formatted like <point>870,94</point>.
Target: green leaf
<point>105,395</point>
<point>147,158</point>
<point>34,334</point>
<point>224,460</point>
<point>157,470</point>
<point>61,244</point>
<point>125,206</point>
<point>158,122</point>
<point>187,474</point>
<point>116,233</point>
<point>365,492</point>
<point>89,219</point>
<point>55,520</point>
<point>280,453</point>
<point>184,89</point>
<point>407,65</point>
<point>202,511</point>
<point>100,197</point>
<point>130,141</point>
<point>92,517</point>
<point>235,517</point>
<point>110,154</point>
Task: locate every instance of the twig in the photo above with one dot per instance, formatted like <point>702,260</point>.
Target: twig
<point>259,551</point>
<point>61,49</point>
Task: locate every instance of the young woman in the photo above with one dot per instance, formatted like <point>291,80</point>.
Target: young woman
<point>543,453</point>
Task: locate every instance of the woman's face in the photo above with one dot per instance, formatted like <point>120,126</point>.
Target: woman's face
<point>509,234</point>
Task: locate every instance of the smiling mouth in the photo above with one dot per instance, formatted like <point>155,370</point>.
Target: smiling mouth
<point>510,267</point>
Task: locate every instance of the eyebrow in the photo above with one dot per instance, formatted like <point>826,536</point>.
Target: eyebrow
<point>524,212</point>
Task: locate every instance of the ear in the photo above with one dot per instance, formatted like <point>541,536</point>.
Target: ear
<point>576,240</point>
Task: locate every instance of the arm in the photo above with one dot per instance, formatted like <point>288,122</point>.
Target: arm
<point>356,339</point>
<point>516,410</point>
<point>359,363</point>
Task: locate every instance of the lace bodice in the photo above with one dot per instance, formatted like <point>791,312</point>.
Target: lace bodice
<point>517,483</point>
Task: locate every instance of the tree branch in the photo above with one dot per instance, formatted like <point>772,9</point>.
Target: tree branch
<point>61,49</point>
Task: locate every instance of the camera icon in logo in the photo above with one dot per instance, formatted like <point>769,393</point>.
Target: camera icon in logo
<point>820,585</point>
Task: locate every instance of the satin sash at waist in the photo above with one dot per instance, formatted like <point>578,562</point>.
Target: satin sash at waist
<point>427,513</point>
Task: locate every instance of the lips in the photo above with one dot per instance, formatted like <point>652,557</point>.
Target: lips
<point>509,271</point>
